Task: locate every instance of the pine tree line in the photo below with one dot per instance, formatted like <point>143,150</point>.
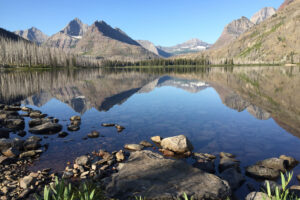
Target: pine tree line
<point>22,53</point>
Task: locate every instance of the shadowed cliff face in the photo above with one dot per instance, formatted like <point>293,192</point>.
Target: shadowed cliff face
<point>266,92</point>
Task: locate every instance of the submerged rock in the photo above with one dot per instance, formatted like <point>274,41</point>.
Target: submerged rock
<point>47,128</point>
<point>73,128</point>
<point>94,134</point>
<point>178,144</point>
<point>233,177</point>
<point>62,134</point>
<point>226,163</point>
<point>162,178</point>
<point>107,124</point>
<point>205,165</point>
<point>226,155</point>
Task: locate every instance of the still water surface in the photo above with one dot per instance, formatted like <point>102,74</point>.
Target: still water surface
<point>253,112</point>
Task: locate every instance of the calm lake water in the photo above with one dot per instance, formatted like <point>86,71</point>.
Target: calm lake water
<point>253,112</point>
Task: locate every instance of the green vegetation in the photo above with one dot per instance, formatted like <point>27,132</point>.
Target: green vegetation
<point>248,80</point>
<point>60,190</point>
<point>249,49</point>
<point>283,192</point>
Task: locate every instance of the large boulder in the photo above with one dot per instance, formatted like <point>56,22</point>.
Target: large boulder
<point>47,128</point>
<point>38,121</point>
<point>152,176</point>
<point>179,144</point>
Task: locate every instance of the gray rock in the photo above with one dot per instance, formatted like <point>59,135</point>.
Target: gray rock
<point>37,114</point>
<point>75,118</point>
<point>120,156</point>
<point>274,163</point>
<point>4,133</point>
<point>67,175</point>
<point>256,196</point>
<point>233,177</point>
<point>5,144</point>
<point>38,121</point>
<point>146,144</point>
<point>152,176</point>
<point>262,172</point>
<point>26,181</point>
<point>82,160</point>
<point>16,124</point>
<point>156,139</point>
<point>30,153</point>
<point>134,147</point>
<point>47,128</point>
<point>178,144</point>
<point>32,143</point>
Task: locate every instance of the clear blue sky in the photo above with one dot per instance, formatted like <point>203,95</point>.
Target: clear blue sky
<point>164,22</point>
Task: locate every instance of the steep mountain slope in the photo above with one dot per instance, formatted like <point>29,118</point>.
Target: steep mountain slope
<point>262,15</point>
<point>69,36</point>
<point>275,40</point>
<point>151,47</point>
<point>4,34</point>
<point>103,41</point>
<point>33,34</point>
<point>232,31</point>
<point>284,4</point>
<point>193,45</point>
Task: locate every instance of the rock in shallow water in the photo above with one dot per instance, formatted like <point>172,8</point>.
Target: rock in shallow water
<point>134,147</point>
<point>162,178</point>
<point>47,128</point>
<point>156,139</point>
<point>178,144</point>
<point>274,163</point>
<point>234,178</point>
<point>258,171</point>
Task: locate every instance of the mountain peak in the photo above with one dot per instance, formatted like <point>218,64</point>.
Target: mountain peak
<point>75,28</point>
<point>284,4</point>
<point>33,34</point>
<point>117,34</point>
<point>262,15</point>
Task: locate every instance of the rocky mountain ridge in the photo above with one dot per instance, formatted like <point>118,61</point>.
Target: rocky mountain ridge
<point>33,34</point>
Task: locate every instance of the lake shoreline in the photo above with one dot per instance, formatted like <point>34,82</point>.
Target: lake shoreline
<point>106,168</point>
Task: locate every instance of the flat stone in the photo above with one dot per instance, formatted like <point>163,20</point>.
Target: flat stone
<point>178,144</point>
<point>107,124</point>
<point>30,153</point>
<point>35,114</point>
<point>204,156</point>
<point>46,128</point>
<point>134,147</point>
<point>262,172</point>
<point>38,121</point>
<point>146,144</point>
<point>151,176</point>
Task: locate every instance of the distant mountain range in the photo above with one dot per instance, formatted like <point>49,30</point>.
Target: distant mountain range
<point>103,41</point>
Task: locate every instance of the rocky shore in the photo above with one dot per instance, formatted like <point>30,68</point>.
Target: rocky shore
<point>155,169</point>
